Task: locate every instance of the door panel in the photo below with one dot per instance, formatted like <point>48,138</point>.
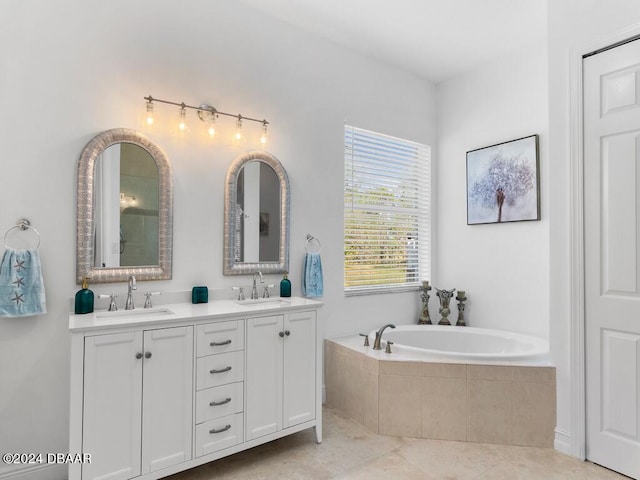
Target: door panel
<point>112,404</point>
<point>299,368</point>
<point>612,226</point>
<point>620,386</point>
<point>167,397</point>
<point>263,380</point>
<point>619,213</point>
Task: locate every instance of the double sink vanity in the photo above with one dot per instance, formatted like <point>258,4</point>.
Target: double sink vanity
<point>157,391</point>
<point>160,390</point>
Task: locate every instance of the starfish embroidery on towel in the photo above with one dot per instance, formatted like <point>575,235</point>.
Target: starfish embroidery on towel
<point>19,282</point>
<point>19,265</point>
<point>18,298</point>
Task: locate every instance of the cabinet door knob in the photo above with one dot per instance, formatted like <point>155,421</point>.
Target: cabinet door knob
<point>287,333</point>
<point>222,402</point>
<point>147,355</point>
<point>224,429</point>
<point>219,344</point>
<point>138,355</point>
<point>220,371</point>
<point>281,334</point>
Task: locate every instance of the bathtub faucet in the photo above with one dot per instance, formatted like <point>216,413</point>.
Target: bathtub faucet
<point>376,342</point>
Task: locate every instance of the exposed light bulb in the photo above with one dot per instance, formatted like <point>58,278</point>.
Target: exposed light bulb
<point>263,137</point>
<point>149,119</point>
<point>212,121</point>
<point>238,135</point>
<point>182,125</point>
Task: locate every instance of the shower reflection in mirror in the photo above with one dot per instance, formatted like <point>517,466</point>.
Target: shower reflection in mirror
<point>127,222</point>
<point>257,225</point>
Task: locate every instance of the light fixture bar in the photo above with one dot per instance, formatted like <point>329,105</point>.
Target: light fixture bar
<point>206,108</point>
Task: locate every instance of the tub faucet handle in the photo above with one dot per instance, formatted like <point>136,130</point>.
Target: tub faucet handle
<point>376,342</point>
<point>366,339</point>
<point>388,349</point>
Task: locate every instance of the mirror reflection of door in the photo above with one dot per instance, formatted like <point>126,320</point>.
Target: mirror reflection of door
<point>258,214</point>
<point>127,197</point>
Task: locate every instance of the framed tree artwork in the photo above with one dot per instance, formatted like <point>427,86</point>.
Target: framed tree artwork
<point>503,182</point>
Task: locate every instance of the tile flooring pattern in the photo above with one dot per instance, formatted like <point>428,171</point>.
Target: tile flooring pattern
<point>350,451</point>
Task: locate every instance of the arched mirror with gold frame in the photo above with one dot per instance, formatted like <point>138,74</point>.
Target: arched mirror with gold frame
<point>124,209</point>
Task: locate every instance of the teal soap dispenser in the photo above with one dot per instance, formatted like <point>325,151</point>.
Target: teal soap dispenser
<point>285,286</point>
<point>84,298</point>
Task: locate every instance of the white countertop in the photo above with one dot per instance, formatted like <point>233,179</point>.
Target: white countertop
<point>177,312</point>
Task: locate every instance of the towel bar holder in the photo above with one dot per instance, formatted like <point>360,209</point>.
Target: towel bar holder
<point>311,243</point>
<point>22,224</point>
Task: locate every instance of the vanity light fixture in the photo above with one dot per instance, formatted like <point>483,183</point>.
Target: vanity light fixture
<point>207,114</point>
<point>149,118</point>
<point>210,119</point>
<point>238,135</point>
<point>182,124</point>
<point>263,137</point>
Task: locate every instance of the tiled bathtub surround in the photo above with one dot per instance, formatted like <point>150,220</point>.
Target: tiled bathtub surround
<point>510,405</point>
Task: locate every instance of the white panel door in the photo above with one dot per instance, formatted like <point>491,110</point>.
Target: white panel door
<point>167,410</point>
<point>299,368</point>
<point>612,263</point>
<point>111,426</point>
<point>263,380</point>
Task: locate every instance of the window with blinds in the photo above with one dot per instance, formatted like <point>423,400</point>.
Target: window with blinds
<point>387,231</point>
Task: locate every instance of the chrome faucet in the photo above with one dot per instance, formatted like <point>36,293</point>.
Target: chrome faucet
<point>132,286</point>
<point>254,289</point>
<point>376,342</point>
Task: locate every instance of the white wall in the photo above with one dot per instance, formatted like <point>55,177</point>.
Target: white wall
<point>71,69</point>
<point>573,24</point>
<point>503,268</point>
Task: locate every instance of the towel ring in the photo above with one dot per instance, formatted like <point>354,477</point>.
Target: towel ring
<point>313,245</point>
<point>23,224</point>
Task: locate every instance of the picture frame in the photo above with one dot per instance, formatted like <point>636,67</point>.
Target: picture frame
<point>503,182</point>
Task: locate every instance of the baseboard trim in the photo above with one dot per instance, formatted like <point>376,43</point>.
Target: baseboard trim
<point>562,442</point>
<point>37,472</point>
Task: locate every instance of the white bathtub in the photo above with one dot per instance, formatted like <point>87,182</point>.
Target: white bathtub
<point>462,344</point>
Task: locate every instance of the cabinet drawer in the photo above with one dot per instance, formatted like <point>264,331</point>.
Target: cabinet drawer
<point>219,434</point>
<point>219,401</point>
<point>221,369</point>
<point>220,337</point>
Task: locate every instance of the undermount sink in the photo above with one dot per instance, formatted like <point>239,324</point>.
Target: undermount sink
<point>136,313</point>
<point>275,301</point>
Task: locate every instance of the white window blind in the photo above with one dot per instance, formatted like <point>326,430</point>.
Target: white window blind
<point>387,192</point>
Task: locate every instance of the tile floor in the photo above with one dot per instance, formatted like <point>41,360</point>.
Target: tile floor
<point>350,451</point>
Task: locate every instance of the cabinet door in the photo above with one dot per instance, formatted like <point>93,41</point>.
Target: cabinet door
<point>264,376</point>
<point>167,397</point>
<point>112,406</point>
<point>299,368</point>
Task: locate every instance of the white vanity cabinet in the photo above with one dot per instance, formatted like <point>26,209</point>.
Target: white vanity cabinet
<point>154,395</point>
<point>281,372</point>
<point>137,405</point>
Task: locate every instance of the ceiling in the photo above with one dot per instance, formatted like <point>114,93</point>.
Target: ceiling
<point>434,39</point>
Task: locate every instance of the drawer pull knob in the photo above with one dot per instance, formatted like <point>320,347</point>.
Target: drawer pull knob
<point>222,402</point>
<point>219,344</point>
<point>224,429</point>
<point>220,371</point>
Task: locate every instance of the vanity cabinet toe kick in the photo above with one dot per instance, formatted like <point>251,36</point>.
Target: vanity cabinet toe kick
<point>151,400</point>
